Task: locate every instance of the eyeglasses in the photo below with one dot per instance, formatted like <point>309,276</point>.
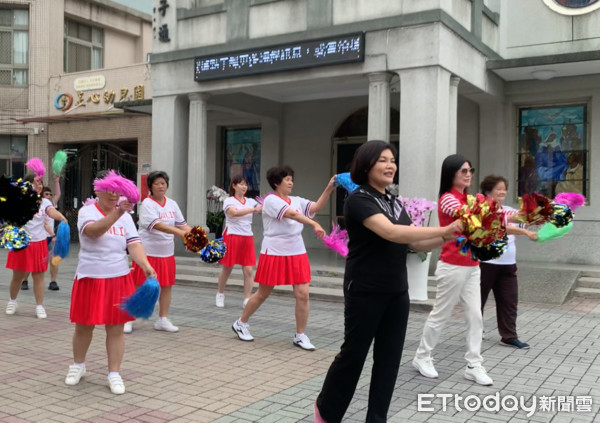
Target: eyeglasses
<point>465,171</point>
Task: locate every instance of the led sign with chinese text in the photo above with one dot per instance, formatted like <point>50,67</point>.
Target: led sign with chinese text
<point>283,57</point>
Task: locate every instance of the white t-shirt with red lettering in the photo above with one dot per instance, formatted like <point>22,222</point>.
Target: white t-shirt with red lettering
<point>282,236</point>
<point>35,227</point>
<point>239,225</point>
<point>157,243</point>
<point>105,256</point>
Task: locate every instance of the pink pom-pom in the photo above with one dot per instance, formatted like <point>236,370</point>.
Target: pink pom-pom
<point>90,201</point>
<point>261,198</point>
<point>36,166</point>
<point>116,183</point>
<point>337,240</point>
<point>571,199</point>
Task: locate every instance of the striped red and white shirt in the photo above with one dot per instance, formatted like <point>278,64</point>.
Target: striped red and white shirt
<point>283,237</point>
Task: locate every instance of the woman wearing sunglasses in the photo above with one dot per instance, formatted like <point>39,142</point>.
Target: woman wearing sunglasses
<point>458,280</point>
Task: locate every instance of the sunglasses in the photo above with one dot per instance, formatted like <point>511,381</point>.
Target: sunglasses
<point>465,171</point>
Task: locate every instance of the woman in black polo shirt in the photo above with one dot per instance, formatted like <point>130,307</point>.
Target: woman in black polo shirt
<point>376,298</point>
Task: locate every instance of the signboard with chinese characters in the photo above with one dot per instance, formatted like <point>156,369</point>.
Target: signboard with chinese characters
<point>283,57</point>
<point>64,101</point>
<point>87,83</point>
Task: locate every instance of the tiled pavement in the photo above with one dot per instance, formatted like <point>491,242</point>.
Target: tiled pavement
<point>203,373</point>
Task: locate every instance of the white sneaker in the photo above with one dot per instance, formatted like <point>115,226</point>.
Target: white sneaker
<point>425,367</point>
<point>478,375</point>
<point>128,327</point>
<point>74,374</point>
<point>220,300</point>
<point>241,330</point>
<point>302,341</point>
<point>245,302</point>
<point>166,325</point>
<point>40,312</point>
<point>11,307</point>
<point>116,384</point>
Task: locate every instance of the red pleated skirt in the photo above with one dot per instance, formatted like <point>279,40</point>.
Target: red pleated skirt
<point>164,268</point>
<point>33,258</point>
<point>96,301</point>
<point>282,270</point>
<point>240,250</point>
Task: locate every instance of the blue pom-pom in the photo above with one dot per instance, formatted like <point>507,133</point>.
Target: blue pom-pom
<point>214,251</point>
<point>343,180</point>
<point>63,239</point>
<point>13,238</point>
<point>141,303</point>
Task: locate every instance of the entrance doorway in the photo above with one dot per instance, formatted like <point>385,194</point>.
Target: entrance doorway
<point>351,134</point>
<point>83,163</point>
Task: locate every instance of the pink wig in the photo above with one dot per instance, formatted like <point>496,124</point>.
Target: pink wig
<point>116,183</point>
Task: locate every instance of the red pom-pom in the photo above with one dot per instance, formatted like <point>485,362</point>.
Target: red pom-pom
<point>536,208</point>
<point>195,240</point>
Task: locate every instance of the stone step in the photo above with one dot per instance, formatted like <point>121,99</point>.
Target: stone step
<point>213,272</point>
<point>592,293</point>
<point>589,274</point>
<point>588,282</point>
<point>235,284</point>
<point>321,287</point>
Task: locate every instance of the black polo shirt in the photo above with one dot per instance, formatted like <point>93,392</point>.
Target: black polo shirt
<point>373,263</point>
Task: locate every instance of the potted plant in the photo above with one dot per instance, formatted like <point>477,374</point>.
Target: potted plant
<point>417,263</point>
<point>214,211</point>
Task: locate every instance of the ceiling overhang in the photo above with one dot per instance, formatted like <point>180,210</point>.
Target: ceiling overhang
<point>546,67</point>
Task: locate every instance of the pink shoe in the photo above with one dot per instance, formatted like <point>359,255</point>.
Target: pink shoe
<point>318,418</point>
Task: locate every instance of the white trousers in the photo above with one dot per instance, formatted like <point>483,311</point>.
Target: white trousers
<point>455,284</point>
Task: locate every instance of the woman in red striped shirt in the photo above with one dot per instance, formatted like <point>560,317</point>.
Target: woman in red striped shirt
<point>458,280</point>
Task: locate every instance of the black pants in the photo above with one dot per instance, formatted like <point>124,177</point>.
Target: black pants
<point>367,316</point>
<point>502,279</point>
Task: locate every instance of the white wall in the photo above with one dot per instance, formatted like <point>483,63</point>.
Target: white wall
<point>530,28</point>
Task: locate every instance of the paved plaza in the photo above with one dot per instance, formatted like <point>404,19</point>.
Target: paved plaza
<point>204,373</point>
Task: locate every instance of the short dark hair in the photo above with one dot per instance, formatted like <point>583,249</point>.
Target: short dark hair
<point>30,177</point>
<point>234,181</point>
<point>450,166</point>
<point>490,182</point>
<point>153,176</point>
<point>46,189</point>
<point>276,174</point>
<point>365,158</point>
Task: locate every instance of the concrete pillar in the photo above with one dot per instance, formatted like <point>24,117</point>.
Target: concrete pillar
<point>169,143</point>
<point>453,111</point>
<point>197,144</point>
<point>379,106</point>
<point>424,130</point>
<point>495,140</point>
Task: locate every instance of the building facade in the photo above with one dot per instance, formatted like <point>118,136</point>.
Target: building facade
<point>240,86</point>
<point>66,65</point>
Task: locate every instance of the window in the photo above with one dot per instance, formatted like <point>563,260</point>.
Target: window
<point>13,154</point>
<point>14,47</point>
<point>83,47</point>
<point>573,7</point>
<point>553,152</point>
<point>242,157</point>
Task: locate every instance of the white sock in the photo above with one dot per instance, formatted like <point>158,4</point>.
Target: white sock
<point>113,374</point>
<point>12,301</point>
<point>37,307</point>
<point>80,364</point>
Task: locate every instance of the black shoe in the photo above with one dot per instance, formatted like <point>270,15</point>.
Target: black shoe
<point>517,344</point>
<point>24,286</point>
<point>53,286</point>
